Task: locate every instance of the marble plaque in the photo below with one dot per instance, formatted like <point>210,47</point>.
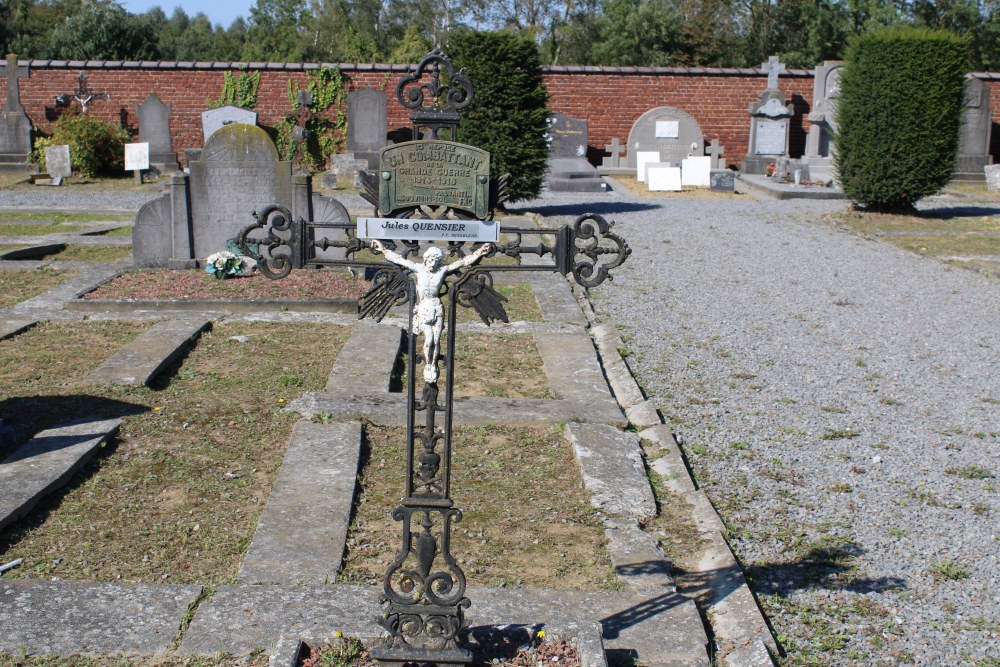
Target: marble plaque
<point>771,136</point>
<point>662,177</point>
<point>644,158</point>
<point>667,129</point>
<point>215,119</point>
<point>57,161</point>
<point>696,171</point>
<point>136,156</point>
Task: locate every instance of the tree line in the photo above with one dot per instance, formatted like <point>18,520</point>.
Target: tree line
<point>720,33</point>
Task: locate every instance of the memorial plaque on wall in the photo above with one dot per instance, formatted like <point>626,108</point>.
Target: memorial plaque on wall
<point>434,173</point>
<point>771,137</point>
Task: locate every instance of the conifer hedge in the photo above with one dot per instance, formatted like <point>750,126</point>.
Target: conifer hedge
<point>508,115</point>
<point>899,115</point>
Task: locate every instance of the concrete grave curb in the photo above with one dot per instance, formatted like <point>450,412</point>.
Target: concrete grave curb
<point>12,327</point>
<point>139,362</point>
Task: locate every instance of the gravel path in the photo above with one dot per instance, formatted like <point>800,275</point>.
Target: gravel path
<point>839,401</point>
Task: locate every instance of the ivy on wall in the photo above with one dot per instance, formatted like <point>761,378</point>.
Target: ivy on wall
<point>240,91</point>
<point>327,123</point>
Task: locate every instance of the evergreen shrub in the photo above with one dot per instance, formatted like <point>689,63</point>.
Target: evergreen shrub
<point>899,115</point>
<point>96,148</point>
<point>508,115</point>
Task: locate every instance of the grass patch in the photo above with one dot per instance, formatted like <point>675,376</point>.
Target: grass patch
<point>972,471</point>
<point>950,244</point>
<point>177,496</point>
<point>61,217</point>
<point>18,286</point>
<point>874,223</point>
<point>118,231</point>
<point>520,305</point>
<point>17,229</point>
<point>949,570</point>
<point>840,434</point>
<point>92,253</point>
<point>527,519</point>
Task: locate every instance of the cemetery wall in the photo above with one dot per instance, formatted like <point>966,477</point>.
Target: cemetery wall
<point>610,98</point>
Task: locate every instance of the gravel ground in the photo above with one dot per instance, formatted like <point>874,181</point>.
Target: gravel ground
<point>839,401</point>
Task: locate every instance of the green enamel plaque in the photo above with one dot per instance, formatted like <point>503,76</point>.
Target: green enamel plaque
<point>434,173</point>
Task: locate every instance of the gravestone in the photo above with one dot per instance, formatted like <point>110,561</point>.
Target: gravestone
<point>137,159</point>
<point>671,132</point>
<point>722,180</point>
<point>366,124</point>
<point>239,172</point>
<point>662,177</point>
<point>15,127</point>
<point>644,159</point>
<point>716,150</point>
<point>568,137</point>
<point>215,119</point>
<point>992,173</point>
<point>154,129</point>
<point>614,160</point>
<point>57,162</point>
<point>770,123</point>
<point>823,121</point>
<point>975,132</point>
<point>696,171</point>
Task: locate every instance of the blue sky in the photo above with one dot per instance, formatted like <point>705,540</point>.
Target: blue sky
<point>222,12</point>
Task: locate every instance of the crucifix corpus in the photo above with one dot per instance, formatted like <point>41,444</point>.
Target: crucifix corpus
<point>83,94</point>
<point>427,191</point>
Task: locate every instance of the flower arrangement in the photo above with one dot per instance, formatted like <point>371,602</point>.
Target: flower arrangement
<point>224,265</point>
<point>771,169</point>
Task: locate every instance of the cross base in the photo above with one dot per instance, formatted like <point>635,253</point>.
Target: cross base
<point>423,634</point>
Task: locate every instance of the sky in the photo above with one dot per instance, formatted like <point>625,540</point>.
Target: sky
<point>222,12</point>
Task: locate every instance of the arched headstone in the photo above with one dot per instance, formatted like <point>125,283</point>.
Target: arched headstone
<point>674,133</point>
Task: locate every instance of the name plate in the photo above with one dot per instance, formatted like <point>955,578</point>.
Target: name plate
<point>429,230</point>
<point>434,173</point>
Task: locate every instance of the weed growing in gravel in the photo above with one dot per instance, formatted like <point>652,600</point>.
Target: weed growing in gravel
<point>972,471</point>
<point>840,434</point>
<point>840,487</point>
<point>949,570</point>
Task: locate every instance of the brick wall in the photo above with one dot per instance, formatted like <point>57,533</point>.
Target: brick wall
<point>610,98</point>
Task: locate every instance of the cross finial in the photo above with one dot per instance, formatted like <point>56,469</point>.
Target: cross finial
<point>772,68</point>
<point>12,73</point>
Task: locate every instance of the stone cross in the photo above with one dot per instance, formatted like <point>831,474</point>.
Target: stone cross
<point>615,159</point>
<point>12,72</point>
<point>716,150</point>
<point>772,68</point>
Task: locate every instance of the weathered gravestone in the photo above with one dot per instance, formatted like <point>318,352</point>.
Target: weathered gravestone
<point>154,129</point>
<point>992,172</point>
<point>823,121</point>
<point>569,170</point>
<point>57,163</point>
<point>239,172</point>
<point>214,120</point>
<point>770,123</point>
<point>15,127</point>
<point>367,120</point>
<point>616,156</point>
<point>974,135</point>
<point>672,133</point>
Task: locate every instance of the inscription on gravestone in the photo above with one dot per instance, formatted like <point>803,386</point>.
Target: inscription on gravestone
<point>568,136</point>
<point>435,173</point>
<point>771,137</point>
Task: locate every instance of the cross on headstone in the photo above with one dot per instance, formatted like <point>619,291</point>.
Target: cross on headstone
<point>12,72</point>
<point>617,152</point>
<point>83,94</point>
<point>716,150</point>
<point>772,68</point>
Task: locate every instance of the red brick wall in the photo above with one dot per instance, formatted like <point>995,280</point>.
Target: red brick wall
<point>610,98</point>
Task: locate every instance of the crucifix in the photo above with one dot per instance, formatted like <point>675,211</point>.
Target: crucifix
<point>12,72</point>
<point>83,94</point>
<point>772,68</point>
<point>424,586</point>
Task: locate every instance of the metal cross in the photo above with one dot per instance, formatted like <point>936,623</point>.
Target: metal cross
<point>616,149</point>
<point>716,150</point>
<point>83,94</point>
<point>12,72</point>
<point>772,68</point>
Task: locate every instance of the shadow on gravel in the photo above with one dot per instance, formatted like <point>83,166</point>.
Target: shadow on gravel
<point>600,208</point>
<point>947,213</point>
<point>824,566</point>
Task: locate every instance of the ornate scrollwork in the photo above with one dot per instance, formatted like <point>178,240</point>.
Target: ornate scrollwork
<point>275,263</point>
<point>593,257</point>
<point>457,96</point>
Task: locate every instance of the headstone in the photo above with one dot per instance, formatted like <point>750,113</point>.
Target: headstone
<point>136,156</point>
<point>568,137</point>
<point>715,150</point>
<point>15,127</point>
<point>366,124</point>
<point>239,172</point>
<point>573,174</point>
<point>57,161</point>
<point>974,135</point>
<point>992,174</point>
<point>154,129</point>
<point>672,133</point>
<point>823,120</point>
<point>644,158</point>
<point>770,123</point>
<point>661,177</point>
<point>344,169</point>
<point>722,180</point>
<point>696,171</point>
<point>214,120</point>
<point>616,150</point>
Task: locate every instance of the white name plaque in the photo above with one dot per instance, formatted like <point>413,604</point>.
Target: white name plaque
<point>429,230</point>
<point>136,156</point>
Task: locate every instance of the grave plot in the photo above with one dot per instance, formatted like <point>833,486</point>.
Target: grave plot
<point>18,285</point>
<point>176,496</point>
<point>550,538</point>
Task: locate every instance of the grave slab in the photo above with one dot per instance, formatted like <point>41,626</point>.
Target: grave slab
<point>613,470</point>
<point>556,301</point>
<point>366,361</point>
<point>47,462</point>
<point>695,171</point>
<point>302,530</point>
<point>571,366</point>
<point>660,177</point>
<point>75,617</point>
<point>663,628</point>
<point>642,160</point>
<point>71,288</point>
<point>145,357</point>
<point>390,409</point>
<point>11,328</point>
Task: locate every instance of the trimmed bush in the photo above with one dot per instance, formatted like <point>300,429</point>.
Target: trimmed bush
<point>508,116</point>
<point>899,115</point>
<point>96,148</point>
